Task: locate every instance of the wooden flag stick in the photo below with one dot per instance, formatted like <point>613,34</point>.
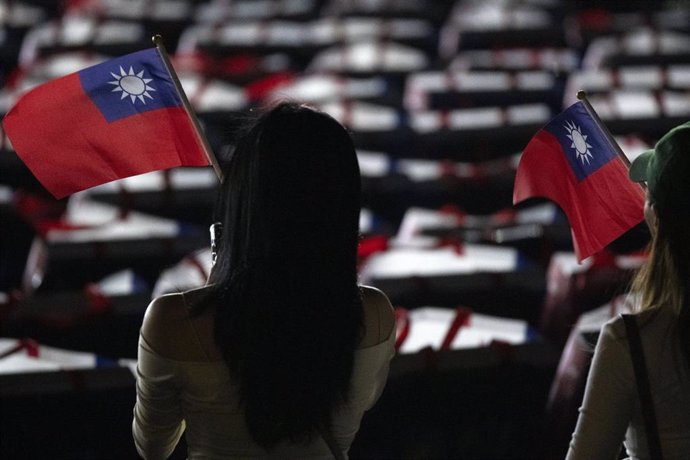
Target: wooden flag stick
<point>582,95</point>
<point>158,42</point>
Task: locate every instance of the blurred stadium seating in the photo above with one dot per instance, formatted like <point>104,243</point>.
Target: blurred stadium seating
<point>440,97</point>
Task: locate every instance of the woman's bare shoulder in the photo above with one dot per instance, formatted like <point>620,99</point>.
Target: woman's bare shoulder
<point>379,317</point>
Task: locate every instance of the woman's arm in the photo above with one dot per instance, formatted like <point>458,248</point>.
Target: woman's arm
<point>380,327</point>
<point>608,403</point>
<point>158,422</point>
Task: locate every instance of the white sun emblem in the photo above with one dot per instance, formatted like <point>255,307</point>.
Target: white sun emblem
<point>133,85</point>
<point>579,142</point>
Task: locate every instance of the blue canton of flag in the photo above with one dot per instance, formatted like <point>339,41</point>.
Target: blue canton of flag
<point>582,141</point>
<point>129,85</point>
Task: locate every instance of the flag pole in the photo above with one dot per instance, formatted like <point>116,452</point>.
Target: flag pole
<point>158,43</point>
<point>582,95</point>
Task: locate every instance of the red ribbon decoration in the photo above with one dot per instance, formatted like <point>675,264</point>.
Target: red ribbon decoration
<point>30,345</point>
<point>462,318</point>
<point>402,326</point>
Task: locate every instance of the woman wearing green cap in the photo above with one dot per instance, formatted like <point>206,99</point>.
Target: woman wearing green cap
<point>653,420</point>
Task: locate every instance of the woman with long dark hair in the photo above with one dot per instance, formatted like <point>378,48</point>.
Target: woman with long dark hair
<point>652,419</point>
<point>281,353</point>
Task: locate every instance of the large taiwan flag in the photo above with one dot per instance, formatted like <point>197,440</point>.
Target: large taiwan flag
<point>572,162</point>
<point>116,119</point>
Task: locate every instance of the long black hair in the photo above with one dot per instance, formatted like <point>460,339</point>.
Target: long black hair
<point>288,310</point>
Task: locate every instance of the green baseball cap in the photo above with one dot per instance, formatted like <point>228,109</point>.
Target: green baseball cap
<point>665,168</point>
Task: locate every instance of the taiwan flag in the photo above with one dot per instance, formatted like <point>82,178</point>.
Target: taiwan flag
<point>572,162</point>
<point>117,119</point>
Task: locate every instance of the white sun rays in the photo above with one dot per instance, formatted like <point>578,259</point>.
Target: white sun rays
<point>579,142</point>
<point>132,84</point>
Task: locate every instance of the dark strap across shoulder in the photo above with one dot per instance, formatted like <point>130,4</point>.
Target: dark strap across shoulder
<point>643,389</point>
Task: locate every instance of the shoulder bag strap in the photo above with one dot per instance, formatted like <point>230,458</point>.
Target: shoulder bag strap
<point>643,390</point>
<point>332,445</point>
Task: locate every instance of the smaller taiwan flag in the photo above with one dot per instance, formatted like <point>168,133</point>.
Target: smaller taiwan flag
<point>572,162</point>
<point>117,119</point>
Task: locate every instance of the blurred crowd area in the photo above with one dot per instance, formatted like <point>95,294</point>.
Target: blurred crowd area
<point>495,316</point>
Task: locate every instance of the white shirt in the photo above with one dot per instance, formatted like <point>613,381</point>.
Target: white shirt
<point>610,410</point>
<point>201,399</point>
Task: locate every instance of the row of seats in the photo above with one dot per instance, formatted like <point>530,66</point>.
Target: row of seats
<point>440,98</point>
